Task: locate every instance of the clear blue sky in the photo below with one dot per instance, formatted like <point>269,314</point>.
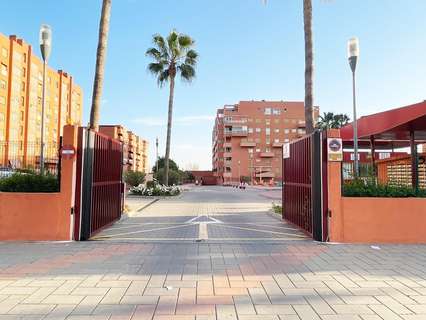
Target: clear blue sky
<point>247,51</point>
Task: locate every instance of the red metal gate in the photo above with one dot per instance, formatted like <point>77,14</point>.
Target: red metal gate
<point>304,182</point>
<point>99,183</point>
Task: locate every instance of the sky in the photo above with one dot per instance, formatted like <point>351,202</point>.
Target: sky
<point>247,51</point>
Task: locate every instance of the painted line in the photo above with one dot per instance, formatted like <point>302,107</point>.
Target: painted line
<point>191,220</point>
<point>141,231</point>
<point>215,220</point>
<point>264,231</point>
<point>195,239</point>
<point>203,233</point>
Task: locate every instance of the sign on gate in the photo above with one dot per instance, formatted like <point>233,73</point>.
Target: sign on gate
<point>286,150</point>
<point>335,149</point>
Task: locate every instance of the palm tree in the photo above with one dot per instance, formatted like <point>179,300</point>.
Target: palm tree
<point>100,64</point>
<point>329,120</point>
<point>309,66</point>
<point>172,55</point>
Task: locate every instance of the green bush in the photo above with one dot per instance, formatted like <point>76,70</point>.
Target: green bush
<point>175,177</point>
<point>134,178</point>
<point>151,184</point>
<point>32,182</point>
<point>361,188</point>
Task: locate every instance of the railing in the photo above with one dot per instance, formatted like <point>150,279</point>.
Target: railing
<point>20,156</point>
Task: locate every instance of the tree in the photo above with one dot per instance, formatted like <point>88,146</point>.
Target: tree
<point>161,165</point>
<point>100,64</point>
<point>309,66</point>
<point>329,120</point>
<point>172,55</point>
<point>134,178</point>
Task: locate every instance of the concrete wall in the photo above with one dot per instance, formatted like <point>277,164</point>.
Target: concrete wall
<point>42,216</point>
<point>373,220</point>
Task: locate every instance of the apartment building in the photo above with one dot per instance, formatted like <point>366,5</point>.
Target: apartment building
<point>21,87</point>
<point>248,138</point>
<point>135,149</point>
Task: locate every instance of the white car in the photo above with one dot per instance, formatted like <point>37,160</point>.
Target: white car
<point>6,172</point>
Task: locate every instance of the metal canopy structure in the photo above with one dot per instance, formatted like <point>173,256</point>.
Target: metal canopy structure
<point>396,128</point>
<point>390,129</point>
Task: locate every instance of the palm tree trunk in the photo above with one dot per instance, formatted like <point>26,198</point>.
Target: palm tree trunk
<point>169,130</point>
<point>100,64</point>
<point>309,66</point>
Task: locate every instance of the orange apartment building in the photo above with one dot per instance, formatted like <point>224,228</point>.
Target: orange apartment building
<point>248,139</point>
<point>135,149</point>
<point>21,79</point>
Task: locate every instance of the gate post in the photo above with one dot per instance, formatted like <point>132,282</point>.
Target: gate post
<point>87,174</point>
<point>317,192</point>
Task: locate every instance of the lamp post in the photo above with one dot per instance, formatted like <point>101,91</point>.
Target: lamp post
<point>156,152</point>
<point>45,48</point>
<point>353,54</point>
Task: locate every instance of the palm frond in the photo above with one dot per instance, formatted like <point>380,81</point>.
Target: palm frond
<point>185,41</point>
<point>191,57</point>
<point>161,44</point>
<point>187,72</point>
<point>153,53</point>
<point>163,77</point>
<point>172,42</point>
<point>156,68</point>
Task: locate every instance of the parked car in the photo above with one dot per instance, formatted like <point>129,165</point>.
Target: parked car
<point>6,172</point>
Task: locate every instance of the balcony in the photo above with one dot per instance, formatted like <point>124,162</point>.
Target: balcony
<point>227,154</point>
<point>239,133</point>
<point>277,145</point>
<point>266,154</point>
<point>227,163</point>
<point>227,145</point>
<point>247,144</point>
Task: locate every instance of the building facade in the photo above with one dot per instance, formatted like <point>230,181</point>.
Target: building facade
<point>135,149</point>
<point>21,88</point>
<point>248,138</point>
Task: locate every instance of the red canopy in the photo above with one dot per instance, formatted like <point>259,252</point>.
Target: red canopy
<point>390,129</point>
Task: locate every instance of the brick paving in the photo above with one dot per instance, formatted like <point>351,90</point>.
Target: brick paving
<point>218,278</point>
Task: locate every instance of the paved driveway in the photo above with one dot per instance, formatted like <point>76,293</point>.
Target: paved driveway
<point>212,214</point>
<point>210,272</point>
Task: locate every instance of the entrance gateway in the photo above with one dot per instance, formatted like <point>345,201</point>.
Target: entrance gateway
<point>99,188</point>
<point>305,184</point>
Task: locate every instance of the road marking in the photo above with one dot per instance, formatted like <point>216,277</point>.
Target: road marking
<point>203,233</point>
<point>141,231</point>
<point>264,231</point>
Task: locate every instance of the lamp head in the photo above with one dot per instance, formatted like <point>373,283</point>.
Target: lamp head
<point>45,41</point>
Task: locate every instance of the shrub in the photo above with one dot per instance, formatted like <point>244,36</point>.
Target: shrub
<point>175,177</point>
<point>157,190</point>
<point>31,182</point>
<point>151,184</point>
<point>134,178</point>
<point>361,188</point>
<point>277,208</point>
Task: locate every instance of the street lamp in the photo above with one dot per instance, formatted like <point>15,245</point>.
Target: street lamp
<point>45,48</point>
<point>353,54</point>
<point>156,154</point>
<point>239,172</point>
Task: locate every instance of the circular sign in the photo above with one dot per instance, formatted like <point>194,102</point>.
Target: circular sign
<point>335,145</point>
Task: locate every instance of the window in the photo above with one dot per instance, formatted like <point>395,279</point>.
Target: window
<point>268,122</point>
<point>267,111</point>
<point>277,130</point>
<point>267,149</point>
<point>286,131</point>
<point>258,130</point>
<point>257,150</point>
<point>250,150</point>
<point>258,121</point>
<point>3,84</point>
<point>277,120</point>
<point>250,130</point>
<point>268,131</point>
<point>276,140</point>
<point>268,141</point>
<point>286,140</point>
<point>276,112</point>
<point>293,130</point>
<point>3,69</point>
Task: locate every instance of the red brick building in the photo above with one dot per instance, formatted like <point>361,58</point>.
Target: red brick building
<point>248,137</point>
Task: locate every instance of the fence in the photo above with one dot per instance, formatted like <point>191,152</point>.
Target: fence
<point>20,156</point>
